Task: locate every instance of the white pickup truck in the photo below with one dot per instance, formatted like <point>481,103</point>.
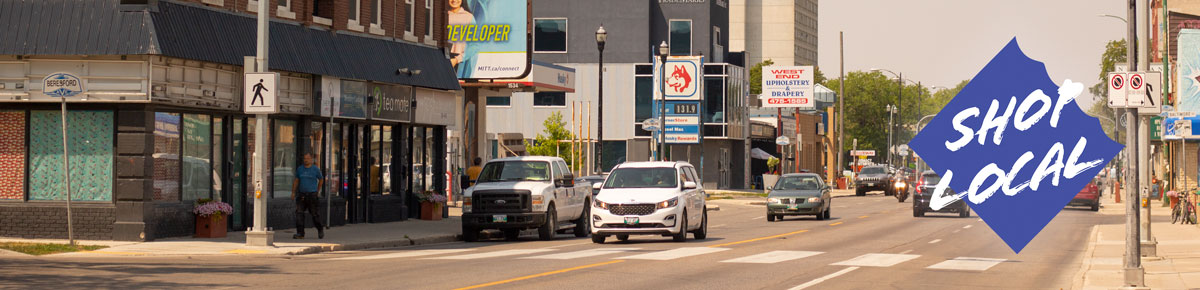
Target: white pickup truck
<point>517,193</point>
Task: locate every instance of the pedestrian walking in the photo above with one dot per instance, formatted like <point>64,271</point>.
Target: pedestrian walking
<point>304,191</point>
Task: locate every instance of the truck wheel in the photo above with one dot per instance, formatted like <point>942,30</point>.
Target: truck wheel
<point>598,238</point>
<point>827,214</point>
<point>702,232</point>
<point>547,231</point>
<point>1096,206</point>
<point>582,224</point>
<point>770,217</point>
<point>470,234</point>
<point>682,235</point>
<point>622,238</point>
<point>512,234</point>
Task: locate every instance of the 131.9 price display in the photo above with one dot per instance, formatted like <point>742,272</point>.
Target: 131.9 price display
<point>687,109</point>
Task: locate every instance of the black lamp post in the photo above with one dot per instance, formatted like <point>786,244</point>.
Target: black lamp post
<point>601,38</point>
<point>663,51</point>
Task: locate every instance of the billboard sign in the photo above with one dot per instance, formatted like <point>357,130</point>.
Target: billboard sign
<point>787,87</point>
<point>488,38</point>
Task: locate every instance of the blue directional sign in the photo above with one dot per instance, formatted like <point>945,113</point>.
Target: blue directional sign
<point>683,122</point>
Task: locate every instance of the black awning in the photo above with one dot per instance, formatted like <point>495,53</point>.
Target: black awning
<point>69,27</point>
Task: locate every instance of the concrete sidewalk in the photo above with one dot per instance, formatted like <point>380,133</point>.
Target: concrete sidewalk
<point>1176,267</point>
<point>341,238</point>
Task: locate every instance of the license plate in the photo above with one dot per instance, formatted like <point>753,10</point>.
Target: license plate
<point>499,218</point>
<point>793,207</point>
<point>631,220</point>
<point>870,184</point>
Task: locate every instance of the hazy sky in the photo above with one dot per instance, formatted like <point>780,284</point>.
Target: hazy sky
<point>941,42</point>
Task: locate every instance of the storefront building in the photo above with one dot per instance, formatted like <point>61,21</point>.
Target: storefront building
<point>160,123</point>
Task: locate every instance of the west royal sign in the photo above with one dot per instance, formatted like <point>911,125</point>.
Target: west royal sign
<point>787,87</point>
<point>1014,146</point>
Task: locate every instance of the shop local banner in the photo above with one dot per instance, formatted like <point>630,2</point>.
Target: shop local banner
<point>1014,146</point>
<point>487,38</point>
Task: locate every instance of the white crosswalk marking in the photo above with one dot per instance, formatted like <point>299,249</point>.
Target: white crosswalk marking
<point>675,253</point>
<point>404,254</point>
<point>967,264</point>
<point>773,257</point>
<point>492,254</point>
<point>877,260</point>
<point>582,254</point>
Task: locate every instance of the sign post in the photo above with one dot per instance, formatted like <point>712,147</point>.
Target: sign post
<point>258,97</point>
<point>63,85</point>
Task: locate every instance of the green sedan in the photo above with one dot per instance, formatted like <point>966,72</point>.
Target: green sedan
<point>799,194</point>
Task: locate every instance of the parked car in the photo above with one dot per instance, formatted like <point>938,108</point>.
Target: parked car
<point>517,193</point>
<point>650,198</point>
<point>799,194</point>
<point>924,191</point>
<point>872,178</point>
<point>595,179</point>
<point>1088,196</point>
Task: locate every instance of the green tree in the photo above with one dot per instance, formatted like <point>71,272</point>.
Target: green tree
<point>547,143</point>
<point>866,100</point>
<point>1114,53</point>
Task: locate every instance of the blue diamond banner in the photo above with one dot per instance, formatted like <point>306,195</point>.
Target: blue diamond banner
<point>1014,146</point>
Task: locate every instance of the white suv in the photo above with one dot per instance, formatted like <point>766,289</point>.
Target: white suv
<point>650,198</point>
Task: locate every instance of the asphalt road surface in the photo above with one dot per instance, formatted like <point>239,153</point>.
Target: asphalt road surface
<point>871,242</point>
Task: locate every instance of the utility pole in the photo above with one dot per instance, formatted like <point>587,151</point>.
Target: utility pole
<point>1148,243</point>
<point>841,105</point>
<point>259,236</point>
<point>891,128</point>
<point>1134,273</point>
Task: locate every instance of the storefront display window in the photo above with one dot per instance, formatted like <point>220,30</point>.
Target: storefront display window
<point>218,154</point>
<point>90,138</point>
<point>429,159</point>
<point>12,155</point>
<point>418,162</point>
<point>376,161</point>
<point>386,152</point>
<point>166,156</point>
<point>197,157</point>
<point>284,160</point>
<point>335,171</point>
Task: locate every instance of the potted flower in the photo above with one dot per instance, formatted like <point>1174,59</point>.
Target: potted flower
<point>431,205</point>
<point>770,178</point>
<point>210,218</point>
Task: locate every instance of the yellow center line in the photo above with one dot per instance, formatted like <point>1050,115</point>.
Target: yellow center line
<point>834,224</point>
<point>862,217</point>
<point>758,239</point>
<point>540,275</point>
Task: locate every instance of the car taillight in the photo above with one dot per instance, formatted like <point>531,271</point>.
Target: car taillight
<point>921,183</point>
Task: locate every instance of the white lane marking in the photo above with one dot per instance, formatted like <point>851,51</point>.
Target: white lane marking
<point>583,254</point>
<point>758,217</point>
<point>956,231</point>
<point>967,264</point>
<point>717,226</point>
<point>935,241</point>
<point>906,251</point>
<point>877,260</point>
<point>568,245</point>
<point>967,226</point>
<point>492,254</point>
<point>674,253</point>
<point>823,278</point>
<point>773,257</point>
<point>404,254</point>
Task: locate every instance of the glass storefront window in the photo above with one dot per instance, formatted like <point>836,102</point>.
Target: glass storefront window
<point>335,171</point>
<point>284,159</point>
<point>12,155</point>
<point>429,159</point>
<point>386,152</point>
<point>166,156</point>
<point>714,107</point>
<point>218,138</point>
<point>197,157</point>
<point>418,162</point>
<point>375,160</point>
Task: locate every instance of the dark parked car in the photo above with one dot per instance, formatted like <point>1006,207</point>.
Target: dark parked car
<point>872,178</point>
<point>924,192</point>
<point>1088,196</point>
<point>799,194</point>
<point>594,179</point>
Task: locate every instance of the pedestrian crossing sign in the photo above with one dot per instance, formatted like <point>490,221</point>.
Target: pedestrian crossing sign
<point>258,93</point>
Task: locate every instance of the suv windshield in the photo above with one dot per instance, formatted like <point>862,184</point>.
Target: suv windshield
<point>515,171</point>
<point>872,170</point>
<point>798,183</point>
<point>642,178</point>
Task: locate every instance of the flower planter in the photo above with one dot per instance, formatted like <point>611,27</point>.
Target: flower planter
<point>210,227</point>
<point>431,211</point>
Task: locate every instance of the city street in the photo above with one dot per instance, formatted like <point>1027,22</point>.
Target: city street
<point>871,242</point>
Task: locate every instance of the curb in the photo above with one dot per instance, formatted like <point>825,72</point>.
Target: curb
<point>712,207</point>
<point>1081,276</point>
<point>378,244</point>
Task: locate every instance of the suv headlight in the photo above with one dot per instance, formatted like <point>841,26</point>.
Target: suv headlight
<point>668,203</point>
<point>600,204</point>
<point>772,200</point>
<point>814,199</point>
<point>538,199</point>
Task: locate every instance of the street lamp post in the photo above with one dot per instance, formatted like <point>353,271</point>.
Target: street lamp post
<point>663,50</point>
<point>891,126</point>
<point>899,96</point>
<point>601,38</point>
